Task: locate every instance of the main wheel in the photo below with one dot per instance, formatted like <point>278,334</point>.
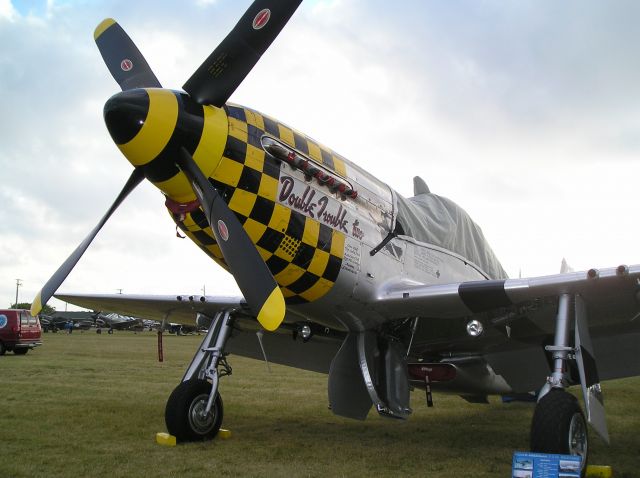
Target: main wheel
<point>184,413</point>
<point>559,426</point>
<point>3,348</point>
<point>20,351</point>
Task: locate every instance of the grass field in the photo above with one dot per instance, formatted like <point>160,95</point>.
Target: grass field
<point>90,405</point>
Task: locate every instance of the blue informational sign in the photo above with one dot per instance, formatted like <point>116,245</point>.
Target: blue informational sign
<point>541,465</point>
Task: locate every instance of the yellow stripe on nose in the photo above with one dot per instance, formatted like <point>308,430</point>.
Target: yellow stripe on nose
<point>207,155</point>
<point>157,129</point>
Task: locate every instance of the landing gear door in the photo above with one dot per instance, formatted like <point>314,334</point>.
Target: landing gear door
<point>592,393</point>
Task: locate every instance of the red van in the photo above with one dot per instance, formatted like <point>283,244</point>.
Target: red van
<point>19,331</point>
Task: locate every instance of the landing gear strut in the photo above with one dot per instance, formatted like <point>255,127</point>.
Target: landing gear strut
<point>558,424</point>
<point>194,410</point>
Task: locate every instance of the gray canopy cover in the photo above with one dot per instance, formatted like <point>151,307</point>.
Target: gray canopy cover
<point>439,221</point>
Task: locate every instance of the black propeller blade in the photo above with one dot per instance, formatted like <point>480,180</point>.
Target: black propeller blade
<point>63,271</point>
<point>125,62</point>
<point>245,263</point>
<point>223,71</point>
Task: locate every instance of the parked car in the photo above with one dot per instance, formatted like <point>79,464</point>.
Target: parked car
<point>19,331</point>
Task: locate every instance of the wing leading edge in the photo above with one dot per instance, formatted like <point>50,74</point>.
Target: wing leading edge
<point>179,309</point>
<point>617,288</point>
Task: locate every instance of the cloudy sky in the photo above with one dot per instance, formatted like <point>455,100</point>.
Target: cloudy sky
<point>525,113</point>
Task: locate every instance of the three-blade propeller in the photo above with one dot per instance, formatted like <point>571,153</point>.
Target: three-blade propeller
<point>212,84</point>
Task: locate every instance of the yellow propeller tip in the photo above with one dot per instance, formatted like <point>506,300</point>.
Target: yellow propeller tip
<point>104,24</point>
<point>36,305</point>
<point>272,312</point>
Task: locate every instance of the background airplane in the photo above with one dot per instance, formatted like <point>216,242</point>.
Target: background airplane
<point>376,311</point>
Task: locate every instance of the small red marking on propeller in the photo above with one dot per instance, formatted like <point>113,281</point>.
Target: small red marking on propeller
<point>261,19</point>
<point>223,230</point>
<point>126,64</point>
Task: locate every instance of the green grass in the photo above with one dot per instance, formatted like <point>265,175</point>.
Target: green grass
<point>90,405</point>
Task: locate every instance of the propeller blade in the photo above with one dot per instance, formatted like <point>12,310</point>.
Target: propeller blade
<point>125,62</point>
<point>253,276</point>
<point>63,271</point>
<point>223,71</point>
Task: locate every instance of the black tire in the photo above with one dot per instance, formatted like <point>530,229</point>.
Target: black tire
<point>20,351</point>
<point>182,416</point>
<point>559,426</point>
<point>3,349</point>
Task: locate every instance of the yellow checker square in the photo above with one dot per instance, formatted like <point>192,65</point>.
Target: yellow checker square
<point>314,151</point>
<point>280,218</point>
<point>311,232</point>
<point>254,158</point>
<point>319,262</point>
<point>254,119</point>
<point>268,188</point>
<point>188,222</point>
<point>286,135</point>
<point>286,293</point>
<point>228,172</point>
<point>238,129</point>
<point>215,250</point>
<point>254,229</point>
<point>317,290</point>
<point>337,244</point>
<point>242,202</point>
<point>339,166</point>
<point>289,275</point>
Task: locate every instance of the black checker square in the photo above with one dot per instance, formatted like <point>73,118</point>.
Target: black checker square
<point>295,228</point>
<point>262,210</point>
<point>327,159</point>
<point>333,268</point>
<point>324,238</point>
<point>305,282</point>
<point>301,143</point>
<point>241,217</point>
<point>237,113</point>
<point>254,135</point>
<point>276,264</point>
<point>304,255</point>
<point>199,218</point>
<point>204,238</point>
<point>250,181</point>
<point>271,127</point>
<point>296,300</point>
<point>271,167</point>
<point>271,239</point>
<point>235,149</point>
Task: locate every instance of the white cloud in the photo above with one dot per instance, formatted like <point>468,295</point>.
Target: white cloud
<point>7,11</point>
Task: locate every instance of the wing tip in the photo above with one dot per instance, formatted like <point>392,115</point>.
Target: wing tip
<point>102,27</point>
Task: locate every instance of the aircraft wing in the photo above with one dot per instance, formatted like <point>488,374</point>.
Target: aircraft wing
<point>278,346</point>
<point>518,317</point>
<point>614,289</point>
<point>179,309</point>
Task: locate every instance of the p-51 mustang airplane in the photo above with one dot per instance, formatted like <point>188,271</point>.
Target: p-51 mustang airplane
<point>381,292</point>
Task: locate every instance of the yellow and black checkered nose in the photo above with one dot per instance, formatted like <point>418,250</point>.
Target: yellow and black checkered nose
<point>150,126</point>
